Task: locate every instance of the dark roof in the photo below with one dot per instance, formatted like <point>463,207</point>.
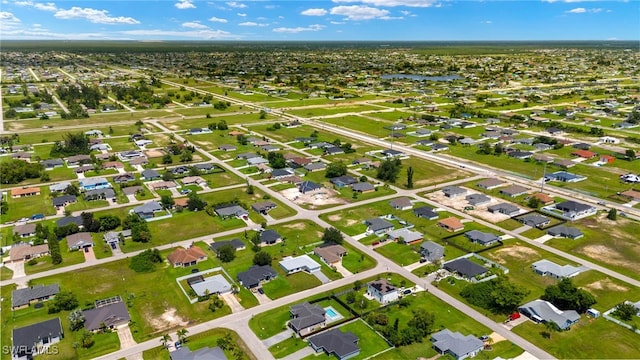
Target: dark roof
<point>206,166</point>
<point>150,174</point>
<point>236,243</point>
<point>343,180</point>
<point>255,274</point>
<point>26,337</point>
<point>504,208</point>
<point>107,193</point>
<point>308,186</point>
<point>465,267</point>
<point>233,210</point>
<point>24,296</point>
<point>480,237</point>
<point>431,250</point>
<point>363,186</point>
<point>305,315</point>
<point>572,206</point>
<point>269,235</point>
<point>69,220</point>
<point>111,315</point>
<point>263,206</point>
<point>426,212</point>
<point>534,220</point>
<point>383,286</point>
<point>377,224</point>
<point>336,342</point>
<point>206,353</point>
<point>453,190</point>
<point>565,231</point>
<point>475,199</point>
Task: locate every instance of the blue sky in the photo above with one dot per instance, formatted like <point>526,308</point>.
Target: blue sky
<point>385,20</point>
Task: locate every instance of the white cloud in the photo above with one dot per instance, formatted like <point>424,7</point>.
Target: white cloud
<point>299,29</point>
<point>337,22</point>
<point>236,5</point>
<point>241,14</point>
<point>40,6</point>
<point>581,10</point>
<point>358,12</point>
<point>94,16</point>
<point>251,23</point>
<point>8,17</point>
<point>486,22</point>
<point>568,1</point>
<point>198,34</point>
<point>194,25</point>
<point>405,12</point>
<point>392,3</point>
<point>314,12</point>
<point>184,4</point>
<point>215,19</point>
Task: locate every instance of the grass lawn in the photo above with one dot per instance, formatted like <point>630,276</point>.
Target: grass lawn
<point>82,204</point>
<point>370,342</point>
<point>286,347</point>
<point>424,173</point>
<point>24,207</point>
<point>5,273</point>
<point>322,111</point>
<point>356,261</point>
<point>198,341</point>
<point>400,253</point>
<point>285,285</point>
<point>44,262</point>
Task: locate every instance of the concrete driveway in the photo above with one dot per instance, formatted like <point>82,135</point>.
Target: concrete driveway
<point>342,270</point>
<point>89,255</point>
<point>125,336</point>
<point>279,337</point>
<point>321,276</point>
<point>18,271</point>
<point>233,303</point>
<point>262,298</point>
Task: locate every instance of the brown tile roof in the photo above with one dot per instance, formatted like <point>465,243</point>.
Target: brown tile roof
<point>330,254</point>
<point>184,256</point>
<point>24,191</point>
<point>451,223</point>
<point>632,194</point>
<point>21,252</point>
<point>544,198</point>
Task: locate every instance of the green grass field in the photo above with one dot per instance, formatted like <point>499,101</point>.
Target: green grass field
<point>207,338</point>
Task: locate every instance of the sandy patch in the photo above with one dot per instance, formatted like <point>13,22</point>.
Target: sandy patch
<point>460,203</point>
<point>496,337</point>
<point>316,198</point>
<point>297,226</point>
<point>13,125</point>
<point>173,127</point>
<point>352,222</point>
<point>335,217</point>
<point>518,252</point>
<point>167,320</point>
<point>605,284</point>
<point>607,255</point>
<point>155,153</point>
<point>202,143</point>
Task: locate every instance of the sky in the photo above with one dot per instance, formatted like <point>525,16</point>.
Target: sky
<point>334,20</point>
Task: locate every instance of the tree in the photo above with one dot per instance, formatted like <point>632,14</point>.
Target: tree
<point>76,320</point>
<point>389,170</point>
<point>262,258</point>
<point>551,327</point>
<point>195,203</point>
<point>566,296</point>
<point>226,253</point>
<point>167,159</point>
<point>533,202</point>
<point>186,156</point>
<point>498,149</point>
<point>167,201</point>
<point>146,261</point>
<point>54,248</point>
<point>332,236</point>
<point>87,339</point>
<point>613,214</point>
<point>351,297</point>
<point>222,125</point>
<point>263,114</point>
<point>14,171</point>
<point>108,222</point>
<point>410,177</point>
<point>182,335</point>
<point>625,311</point>
<point>498,295</point>
<point>242,140</point>
<point>165,339</point>
<point>72,144</point>
<point>336,169</point>
<point>485,148</point>
<point>72,190</point>
<point>630,154</point>
<point>64,300</point>
<point>168,176</point>
<point>89,223</point>
<point>276,160</point>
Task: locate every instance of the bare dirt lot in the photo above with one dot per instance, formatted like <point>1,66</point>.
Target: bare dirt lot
<point>168,320</point>
<point>605,284</point>
<point>518,252</point>
<point>607,254</point>
<point>459,203</point>
<point>155,153</point>
<point>315,199</point>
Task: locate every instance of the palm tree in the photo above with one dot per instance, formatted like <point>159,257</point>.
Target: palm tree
<point>488,343</point>
<point>165,339</point>
<point>182,335</point>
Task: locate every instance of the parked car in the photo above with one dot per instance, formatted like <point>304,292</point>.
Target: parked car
<point>37,216</point>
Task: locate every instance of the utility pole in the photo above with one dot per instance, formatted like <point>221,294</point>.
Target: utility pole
<point>544,175</point>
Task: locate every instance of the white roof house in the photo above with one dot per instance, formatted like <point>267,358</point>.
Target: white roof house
<point>300,263</point>
<point>549,268</point>
<point>215,284</point>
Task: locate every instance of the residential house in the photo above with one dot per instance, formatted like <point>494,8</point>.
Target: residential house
<point>25,231</point>
<point>25,156</point>
<point>150,174</point>
<point>236,243</point>
<point>378,226</point>
<point>113,165</point>
<point>281,173</point>
<point>520,154</point>
<point>465,268</point>
<point>24,192</point>
<point>504,208</point>
<point>333,150</point>
<point>342,181</point>
<point>269,148</point>
<point>69,220</point>
<point>132,190</point>
<point>112,237</point>
<point>147,210</point>
<point>543,158</point>
<point>405,236</point>
<point>77,160</point>
<point>123,178</point>
<point>609,140</point>
<point>79,241</point>
<point>585,154</point>
<point>109,316</point>
<point>549,268</point>
<point>315,166</point>
<point>544,198</point>
<point>451,224</point>
<point>180,170</point>
<point>296,264</point>
<point>181,257</point>
<point>343,345</point>
<point>100,147</point>
<point>51,164</point>
<point>35,339</point>
<point>606,159</point>
<point>139,161</point>
<point>216,284</point>
<point>490,184</point>
<point>230,211</point>
<point>571,210</point>
<point>391,153</point>
<point>482,238</point>
<point>477,199</point>
<point>363,187</point>
<point>403,203</point>
<point>25,251</point>
<point>257,161</point>
<point>566,232</point>
<point>439,147</point>
<point>263,207</point>
<point>99,194</point>
<point>207,167</point>
<point>269,237</point>
<point>256,275</point>
<point>331,254</point>
<point>94,183</point>
<point>383,291</point>
<point>22,298</point>
<point>426,212</point>
<point>194,180</point>
<point>633,195</point>
<point>554,131</point>
<point>564,176</point>
<point>535,220</point>
<point>544,311</point>
<point>162,185</point>
<point>306,318</point>
<point>457,345</point>
<point>453,191</point>
<point>184,353</point>
<point>84,168</point>
<point>308,186</point>
<point>431,251</point>
<point>514,191</point>
<point>59,187</point>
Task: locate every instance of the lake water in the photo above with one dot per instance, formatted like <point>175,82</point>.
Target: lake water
<point>422,77</point>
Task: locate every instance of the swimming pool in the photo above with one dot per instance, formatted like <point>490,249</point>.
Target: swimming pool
<point>331,314</point>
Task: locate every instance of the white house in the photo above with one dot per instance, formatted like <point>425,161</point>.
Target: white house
<point>300,263</point>
<point>383,291</point>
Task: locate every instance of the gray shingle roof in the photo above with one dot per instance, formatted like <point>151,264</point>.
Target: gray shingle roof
<point>336,342</point>
<point>24,296</point>
<point>306,315</point>
<point>111,315</point>
<point>456,343</point>
<point>28,336</point>
<point>465,267</point>
<point>541,310</point>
